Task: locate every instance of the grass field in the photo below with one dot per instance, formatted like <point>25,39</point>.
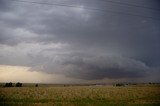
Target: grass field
<point>80,96</point>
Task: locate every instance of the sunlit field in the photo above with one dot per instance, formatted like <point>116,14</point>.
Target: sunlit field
<point>80,96</point>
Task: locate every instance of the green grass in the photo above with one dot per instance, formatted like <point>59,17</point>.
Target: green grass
<point>80,96</point>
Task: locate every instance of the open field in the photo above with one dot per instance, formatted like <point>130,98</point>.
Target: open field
<point>80,96</point>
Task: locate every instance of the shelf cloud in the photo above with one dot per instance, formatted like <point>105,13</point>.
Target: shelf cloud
<point>80,43</point>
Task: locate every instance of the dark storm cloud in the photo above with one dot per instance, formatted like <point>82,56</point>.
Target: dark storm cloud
<point>4,5</point>
<point>71,41</point>
<point>106,67</point>
<point>93,67</point>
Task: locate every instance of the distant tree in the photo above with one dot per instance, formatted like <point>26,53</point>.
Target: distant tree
<point>18,84</point>
<point>36,85</point>
<point>8,84</point>
<point>120,84</point>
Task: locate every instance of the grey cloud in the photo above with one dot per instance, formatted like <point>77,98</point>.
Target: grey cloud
<point>92,68</point>
<point>6,37</point>
<point>4,5</point>
<point>134,41</point>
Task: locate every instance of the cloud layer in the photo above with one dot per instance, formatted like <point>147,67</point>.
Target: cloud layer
<point>91,68</point>
<point>80,43</point>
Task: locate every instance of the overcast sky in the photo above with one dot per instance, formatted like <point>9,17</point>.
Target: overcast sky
<point>92,40</point>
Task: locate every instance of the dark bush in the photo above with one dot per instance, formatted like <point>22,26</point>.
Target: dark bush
<point>8,84</point>
<point>36,85</point>
<point>150,83</point>
<point>120,84</point>
<point>18,84</point>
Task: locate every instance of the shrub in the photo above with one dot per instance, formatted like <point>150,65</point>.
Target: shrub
<point>120,84</point>
<point>36,85</point>
<point>18,84</point>
<point>8,84</point>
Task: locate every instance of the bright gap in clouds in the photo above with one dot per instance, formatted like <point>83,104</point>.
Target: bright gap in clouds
<point>22,74</point>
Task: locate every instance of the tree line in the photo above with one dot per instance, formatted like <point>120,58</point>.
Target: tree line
<point>18,84</point>
<point>10,84</point>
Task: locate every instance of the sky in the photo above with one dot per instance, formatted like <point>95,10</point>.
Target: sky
<point>78,41</point>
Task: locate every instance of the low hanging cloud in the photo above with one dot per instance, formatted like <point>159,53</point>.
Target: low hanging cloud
<point>80,43</point>
<point>93,68</point>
